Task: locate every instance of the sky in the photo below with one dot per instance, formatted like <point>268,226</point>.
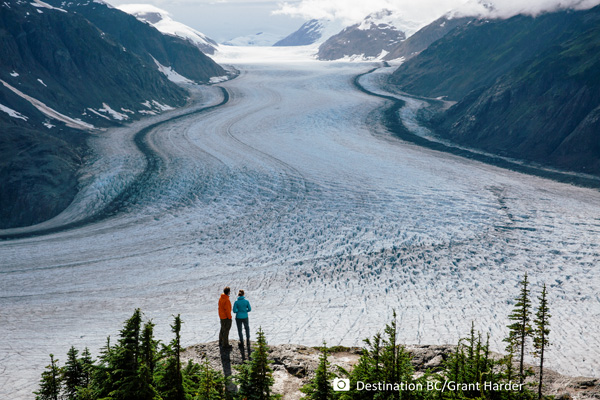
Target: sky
<point>226,19</point>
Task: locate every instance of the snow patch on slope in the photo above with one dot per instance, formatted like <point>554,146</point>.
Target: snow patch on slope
<point>44,109</point>
<point>13,113</point>
<point>171,74</point>
<point>116,115</point>
<point>38,3</point>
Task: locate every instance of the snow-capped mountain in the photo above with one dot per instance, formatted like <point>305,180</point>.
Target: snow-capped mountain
<point>313,31</point>
<point>162,21</point>
<point>372,38</point>
<point>257,39</point>
<point>426,36</point>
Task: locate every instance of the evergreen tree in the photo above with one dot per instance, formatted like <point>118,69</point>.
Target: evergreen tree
<point>383,360</point>
<point>50,383</point>
<point>203,381</point>
<point>86,392</point>
<point>149,347</point>
<point>319,388</point>
<point>72,375</point>
<point>520,329</point>
<point>255,377</point>
<point>130,380</point>
<point>541,333</point>
<point>101,383</point>
<point>170,380</point>
<point>87,367</point>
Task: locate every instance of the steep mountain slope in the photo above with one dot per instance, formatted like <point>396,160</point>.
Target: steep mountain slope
<point>374,37</point>
<point>424,37</point>
<point>313,31</point>
<point>526,87</point>
<point>60,78</point>
<point>146,41</point>
<point>546,110</point>
<point>161,20</point>
<point>474,55</point>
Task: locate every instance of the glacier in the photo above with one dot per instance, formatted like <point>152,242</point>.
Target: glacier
<point>294,191</point>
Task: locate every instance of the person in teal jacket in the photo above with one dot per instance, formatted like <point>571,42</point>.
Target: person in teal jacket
<point>241,308</point>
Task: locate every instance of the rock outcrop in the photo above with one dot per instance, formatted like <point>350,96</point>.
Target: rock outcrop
<point>294,365</point>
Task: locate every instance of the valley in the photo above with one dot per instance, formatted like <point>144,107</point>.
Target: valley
<point>295,191</point>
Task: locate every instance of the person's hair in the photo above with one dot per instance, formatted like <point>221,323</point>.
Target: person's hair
<point>241,292</point>
<point>226,290</point>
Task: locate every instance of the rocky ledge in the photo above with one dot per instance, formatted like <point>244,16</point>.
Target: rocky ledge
<point>294,365</point>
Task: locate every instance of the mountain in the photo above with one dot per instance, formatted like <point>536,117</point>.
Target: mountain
<point>525,87</point>
<point>161,20</point>
<point>143,39</point>
<point>374,37</point>
<point>313,31</point>
<point>61,78</point>
<point>476,54</point>
<point>424,37</point>
<point>257,39</point>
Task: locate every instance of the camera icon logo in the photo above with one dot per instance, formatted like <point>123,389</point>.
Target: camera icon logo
<point>341,385</point>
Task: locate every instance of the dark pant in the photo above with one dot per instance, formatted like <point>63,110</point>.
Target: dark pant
<point>239,322</point>
<point>224,333</point>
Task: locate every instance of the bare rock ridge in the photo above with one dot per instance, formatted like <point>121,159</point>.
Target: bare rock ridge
<point>294,365</point>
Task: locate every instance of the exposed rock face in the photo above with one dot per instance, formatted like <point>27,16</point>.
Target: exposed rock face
<point>294,365</point>
<point>526,87</point>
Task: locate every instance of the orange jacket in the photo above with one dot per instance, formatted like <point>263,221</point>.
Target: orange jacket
<point>224,307</point>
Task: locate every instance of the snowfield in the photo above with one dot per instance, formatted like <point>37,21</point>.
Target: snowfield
<point>293,191</point>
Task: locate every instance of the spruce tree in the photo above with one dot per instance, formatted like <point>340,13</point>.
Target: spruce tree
<point>541,333</point>
<point>520,329</point>
<point>319,388</point>
<point>203,381</point>
<point>72,375</point>
<point>130,380</point>
<point>87,366</point>
<point>170,381</point>
<point>86,391</point>
<point>102,377</point>
<point>148,347</point>
<point>50,382</point>
<point>255,377</point>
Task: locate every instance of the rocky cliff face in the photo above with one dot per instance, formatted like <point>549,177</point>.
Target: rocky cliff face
<point>526,87</point>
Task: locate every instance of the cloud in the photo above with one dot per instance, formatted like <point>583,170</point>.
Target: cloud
<point>352,11</point>
<point>509,8</point>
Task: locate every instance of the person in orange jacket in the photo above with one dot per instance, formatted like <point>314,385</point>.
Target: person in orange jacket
<point>225,316</point>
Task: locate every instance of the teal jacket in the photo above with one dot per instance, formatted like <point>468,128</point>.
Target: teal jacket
<point>241,308</point>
